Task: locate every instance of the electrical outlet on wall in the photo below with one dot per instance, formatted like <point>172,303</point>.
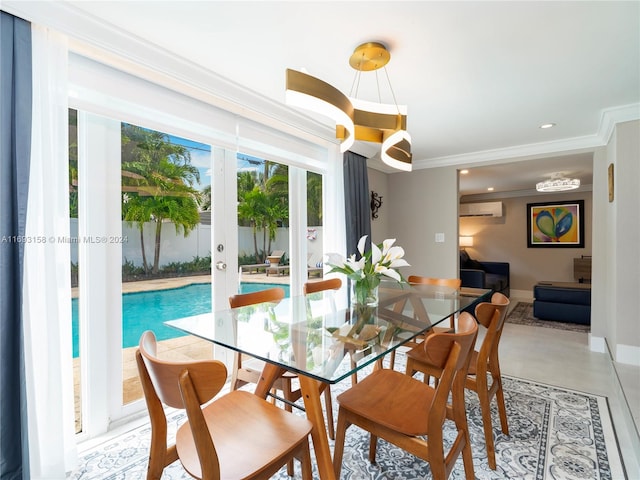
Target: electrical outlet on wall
<point>439,237</point>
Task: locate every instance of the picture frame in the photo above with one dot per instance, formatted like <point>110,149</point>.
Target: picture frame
<point>555,224</point>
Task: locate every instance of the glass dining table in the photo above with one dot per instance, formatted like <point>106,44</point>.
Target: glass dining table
<point>325,342</point>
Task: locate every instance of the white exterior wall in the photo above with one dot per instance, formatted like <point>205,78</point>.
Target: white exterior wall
<point>178,248</point>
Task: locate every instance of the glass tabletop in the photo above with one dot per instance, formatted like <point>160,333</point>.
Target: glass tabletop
<point>314,335</point>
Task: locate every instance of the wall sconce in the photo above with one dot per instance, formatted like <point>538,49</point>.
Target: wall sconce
<point>376,203</point>
<point>466,241</point>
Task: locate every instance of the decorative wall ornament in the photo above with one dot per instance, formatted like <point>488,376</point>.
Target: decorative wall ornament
<point>376,203</point>
<point>556,224</point>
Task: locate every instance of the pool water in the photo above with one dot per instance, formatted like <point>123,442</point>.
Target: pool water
<point>143,311</point>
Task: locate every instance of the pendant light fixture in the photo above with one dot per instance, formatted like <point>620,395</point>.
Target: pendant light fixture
<point>357,119</point>
<point>558,183</point>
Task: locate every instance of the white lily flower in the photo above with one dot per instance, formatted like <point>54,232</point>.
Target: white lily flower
<point>392,274</point>
<point>335,260</point>
<point>393,254</point>
<point>376,254</point>
<point>380,261</point>
<point>355,265</point>
<point>386,245</point>
<point>361,244</point>
<point>400,262</point>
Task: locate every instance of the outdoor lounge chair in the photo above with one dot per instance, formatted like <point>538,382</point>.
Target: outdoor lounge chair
<point>256,267</point>
<point>314,270</point>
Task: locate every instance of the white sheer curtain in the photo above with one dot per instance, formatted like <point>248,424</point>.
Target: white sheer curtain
<point>334,224</point>
<point>47,284</point>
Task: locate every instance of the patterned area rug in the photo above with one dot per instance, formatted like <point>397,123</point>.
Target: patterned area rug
<point>522,314</point>
<point>554,434</point>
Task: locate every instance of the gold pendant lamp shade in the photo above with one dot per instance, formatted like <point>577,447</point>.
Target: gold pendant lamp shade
<point>357,119</point>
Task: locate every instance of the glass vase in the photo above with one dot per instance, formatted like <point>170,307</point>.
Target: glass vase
<point>362,294</point>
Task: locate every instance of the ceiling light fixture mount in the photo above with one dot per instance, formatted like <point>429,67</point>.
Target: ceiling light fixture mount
<point>558,183</point>
<point>357,119</point>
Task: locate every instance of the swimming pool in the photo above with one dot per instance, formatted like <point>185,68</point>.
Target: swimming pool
<point>143,311</point>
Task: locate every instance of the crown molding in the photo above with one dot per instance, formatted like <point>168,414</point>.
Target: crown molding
<point>576,144</point>
<point>609,119</point>
<point>612,116</point>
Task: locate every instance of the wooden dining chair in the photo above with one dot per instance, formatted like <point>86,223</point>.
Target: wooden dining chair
<point>411,414</point>
<point>237,435</point>
<point>484,364</point>
<point>249,371</point>
<point>322,285</point>
<point>453,283</point>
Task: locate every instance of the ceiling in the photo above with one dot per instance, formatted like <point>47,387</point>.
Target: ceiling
<point>478,78</point>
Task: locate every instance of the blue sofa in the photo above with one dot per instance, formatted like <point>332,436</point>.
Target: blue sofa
<point>475,274</point>
<point>562,302</point>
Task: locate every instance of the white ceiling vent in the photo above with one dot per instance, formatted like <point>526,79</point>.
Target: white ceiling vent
<point>485,209</point>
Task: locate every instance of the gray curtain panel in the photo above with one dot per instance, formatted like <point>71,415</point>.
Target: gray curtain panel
<point>15,152</point>
<point>356,200</point>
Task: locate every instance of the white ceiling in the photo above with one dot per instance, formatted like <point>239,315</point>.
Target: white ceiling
<point>476,76</point>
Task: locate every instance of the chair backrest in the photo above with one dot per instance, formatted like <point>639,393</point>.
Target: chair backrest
<point>451,352</point>
<point>445,282</point>
<point>492,316</point>
<point>269,295</point>
<point>190,387</point>
<point>160,377</point>
<point>329,284</point>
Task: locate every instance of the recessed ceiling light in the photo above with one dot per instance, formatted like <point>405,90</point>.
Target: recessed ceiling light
<point>464,172</point>
<point>547,125</point>
<point>490,189</point>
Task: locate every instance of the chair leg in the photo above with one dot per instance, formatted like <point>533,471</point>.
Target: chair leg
<point>392,360</point>
<point>373,447</point>
<point>305,461</point>
<point>502,410</point>
<point>467,457</point>
<point>485,407</point>
<point>338,449</point>
<point>328,404</point>
<point>237,365</point>
<point>436,457</point>
<point>288,395</point>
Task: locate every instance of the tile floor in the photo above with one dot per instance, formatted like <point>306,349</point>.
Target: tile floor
<point>563,358</point>
<point>554,357</point>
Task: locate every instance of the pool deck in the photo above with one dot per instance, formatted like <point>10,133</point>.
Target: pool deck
<point>182,348</point>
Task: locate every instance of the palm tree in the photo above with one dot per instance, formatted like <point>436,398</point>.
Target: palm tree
<point>158,181</point>
<point>314,199</point>
<point>205,199</point>
<point>263,204</point>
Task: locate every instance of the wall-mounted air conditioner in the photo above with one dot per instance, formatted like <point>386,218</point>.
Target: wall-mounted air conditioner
<point>484,209</point>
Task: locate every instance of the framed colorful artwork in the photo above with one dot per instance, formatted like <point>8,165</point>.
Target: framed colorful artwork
<point>555,224</point>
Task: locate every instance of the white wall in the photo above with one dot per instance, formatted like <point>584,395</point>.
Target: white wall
<point>379,183</point>
<point>421,204</point>
<point>178,248</point>
<point>623,239</point>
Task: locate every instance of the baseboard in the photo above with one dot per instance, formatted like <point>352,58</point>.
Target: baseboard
<point>629,354</point>
<point>597,344</point>
<point>522,295</point>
